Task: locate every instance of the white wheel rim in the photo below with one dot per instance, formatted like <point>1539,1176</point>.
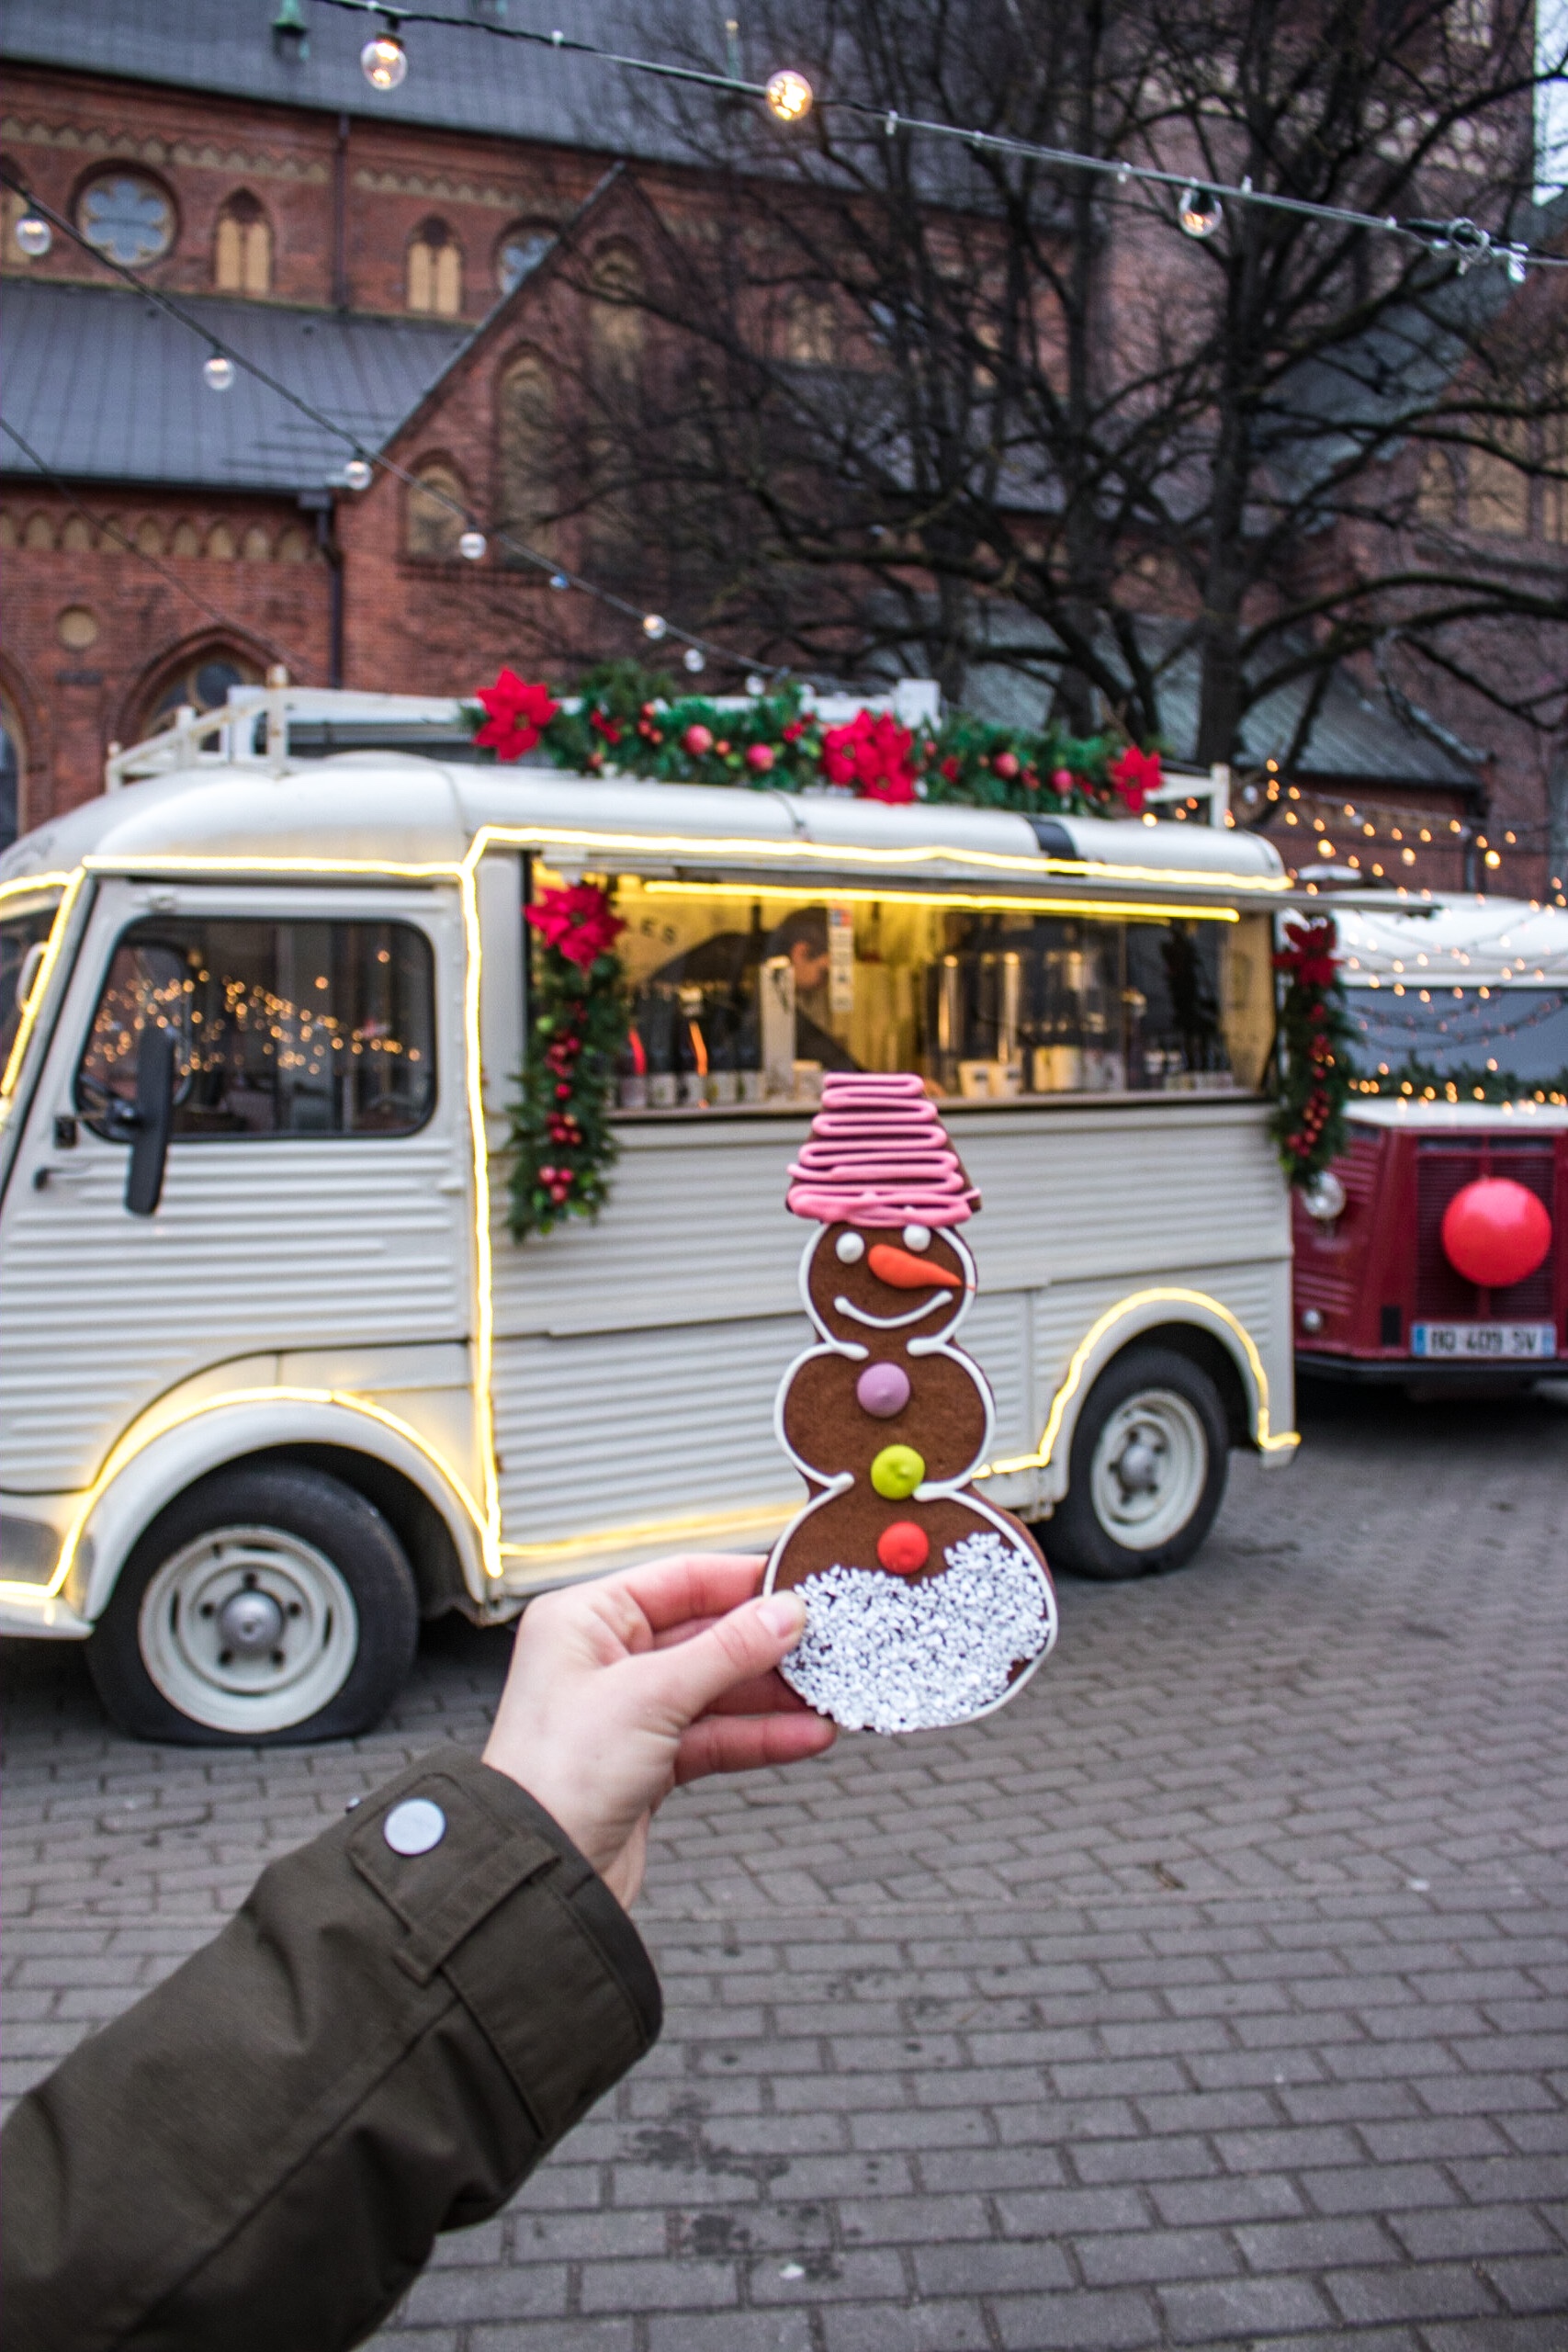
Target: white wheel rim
<point>1150,1467</point>
<point>248,1630</point>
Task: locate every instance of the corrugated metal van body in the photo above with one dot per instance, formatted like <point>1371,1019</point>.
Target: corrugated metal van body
<point>260,1245</point>
<point>638,1359</point>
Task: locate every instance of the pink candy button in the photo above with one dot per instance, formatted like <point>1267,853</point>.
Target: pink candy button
<point>882,1390</point>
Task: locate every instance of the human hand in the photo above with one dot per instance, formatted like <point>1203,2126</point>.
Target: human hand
<point>622,1689</point>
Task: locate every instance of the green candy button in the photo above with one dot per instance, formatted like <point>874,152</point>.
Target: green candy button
<point>897,1472</point>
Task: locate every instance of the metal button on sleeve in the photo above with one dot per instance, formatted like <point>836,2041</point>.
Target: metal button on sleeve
<point>414,1827</point>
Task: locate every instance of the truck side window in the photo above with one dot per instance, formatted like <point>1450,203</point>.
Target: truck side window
<point>285,1028</point>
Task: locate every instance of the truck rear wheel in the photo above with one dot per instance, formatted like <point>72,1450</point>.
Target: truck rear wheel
<point>270,1604</point>
<point>1147,1473</point>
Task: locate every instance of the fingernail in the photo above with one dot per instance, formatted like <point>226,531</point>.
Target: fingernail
<point>785,1613</point>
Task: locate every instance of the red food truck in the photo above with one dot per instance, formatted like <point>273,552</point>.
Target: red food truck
<point>1433,1251</point>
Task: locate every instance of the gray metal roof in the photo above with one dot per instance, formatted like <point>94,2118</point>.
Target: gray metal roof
<point>106,386</point>
<point>1356,737</point>
<point>461,80</point>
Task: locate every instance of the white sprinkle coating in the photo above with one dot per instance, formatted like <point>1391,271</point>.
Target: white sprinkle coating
<point>879,1653</point>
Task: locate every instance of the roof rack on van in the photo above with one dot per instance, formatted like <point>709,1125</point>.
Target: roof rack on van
<point>264,726</point>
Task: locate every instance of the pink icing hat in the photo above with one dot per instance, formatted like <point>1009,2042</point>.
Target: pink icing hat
<point>879,1156</point>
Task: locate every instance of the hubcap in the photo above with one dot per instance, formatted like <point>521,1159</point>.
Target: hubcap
<point>1150,1467</point>
<point>248,1629</point>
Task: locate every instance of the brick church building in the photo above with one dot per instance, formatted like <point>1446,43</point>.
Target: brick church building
<point>392,257</point>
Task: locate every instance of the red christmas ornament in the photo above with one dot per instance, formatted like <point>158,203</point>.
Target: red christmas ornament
<point>1062,779</point>
<point>1495,1233</point>
<point>761,756</point>
<point>903,1548</point>
<point>1006,764</point>
<point>698,739</point>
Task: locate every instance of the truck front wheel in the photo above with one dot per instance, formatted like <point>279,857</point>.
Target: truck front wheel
<point>269,1604</point>
<point>1147,1472</point>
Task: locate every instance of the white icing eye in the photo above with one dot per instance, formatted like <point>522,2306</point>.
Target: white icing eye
<point>848,1248</point>
<point>916,1236</point>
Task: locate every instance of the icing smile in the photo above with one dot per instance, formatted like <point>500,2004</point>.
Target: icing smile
<point>888,1322</point>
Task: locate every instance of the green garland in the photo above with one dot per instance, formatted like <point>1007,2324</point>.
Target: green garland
<point>1462,1083</point>
<point>1308,1124</point>
<point>635,721</point>
<point>561,1141</point>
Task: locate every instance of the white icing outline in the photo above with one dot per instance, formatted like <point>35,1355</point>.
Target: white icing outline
<point>934,1343</point>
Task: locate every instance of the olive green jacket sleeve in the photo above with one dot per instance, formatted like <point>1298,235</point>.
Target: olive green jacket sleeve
<point>378,2046</point>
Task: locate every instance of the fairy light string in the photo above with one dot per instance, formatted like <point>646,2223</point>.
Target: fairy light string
<point>654,627</point>
<point>109,529</point>
<point>790,98</point>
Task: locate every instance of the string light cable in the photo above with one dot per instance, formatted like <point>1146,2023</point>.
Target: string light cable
<point>789,97</point>
<point>111,530</point>
<point>218,369</point>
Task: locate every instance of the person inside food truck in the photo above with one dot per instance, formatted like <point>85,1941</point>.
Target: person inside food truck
<point>803,937</point>
<point>404,2015</point>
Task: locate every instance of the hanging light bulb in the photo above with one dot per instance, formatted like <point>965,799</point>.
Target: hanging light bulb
<point>34,235</point>
<point>384,61</point>
<point>693,658</point>
<point>471,546</point>
<point>356,473</point>
<point>1199,214</point>
<point>654,626</point>
<point>756,684</point>
<point>219,372</point>
<point>789,95</point>
<point>559,583</point>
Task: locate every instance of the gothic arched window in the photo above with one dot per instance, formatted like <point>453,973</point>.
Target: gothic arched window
<point>241,253</point>
<point>526,415</point>
<point>435,271</point>
<point>436,505</point>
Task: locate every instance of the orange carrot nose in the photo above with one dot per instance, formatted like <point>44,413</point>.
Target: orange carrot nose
<point>906,1271</point>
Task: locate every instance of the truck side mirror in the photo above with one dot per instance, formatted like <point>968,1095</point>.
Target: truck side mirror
<point>150,1123</point>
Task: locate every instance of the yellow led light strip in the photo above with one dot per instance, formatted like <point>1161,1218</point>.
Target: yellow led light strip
<point>795,849</point>
<point>970,900</point>
<point>70,885</point>
<point>139,1440</point>
<point>1267,1442</point>
<point>657,1530</point>
<point>28,884</point>
<point>484,1305</point>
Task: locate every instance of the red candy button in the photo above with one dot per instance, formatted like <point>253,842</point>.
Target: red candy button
<point>904,1547</point>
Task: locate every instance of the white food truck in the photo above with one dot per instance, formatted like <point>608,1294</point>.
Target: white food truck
<point>275,1379</point>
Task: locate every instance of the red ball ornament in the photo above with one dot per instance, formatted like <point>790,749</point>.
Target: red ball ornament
<point>904,1548</point>
<point>761,756</point>
<point>1062,779</point>
<point>698,739</point>
<point>1495,1233</point>
<point>1006,764</point>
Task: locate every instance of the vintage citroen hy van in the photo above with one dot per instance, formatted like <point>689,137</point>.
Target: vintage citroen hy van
<point>276,1379</point>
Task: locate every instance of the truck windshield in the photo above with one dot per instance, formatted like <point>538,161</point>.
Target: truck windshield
<point>1491,1044</point>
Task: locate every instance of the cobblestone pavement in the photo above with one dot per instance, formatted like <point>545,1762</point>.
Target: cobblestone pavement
<point>1214,1993</point>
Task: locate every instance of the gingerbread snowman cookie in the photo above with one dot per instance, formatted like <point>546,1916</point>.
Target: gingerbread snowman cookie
<point>926,1605</point>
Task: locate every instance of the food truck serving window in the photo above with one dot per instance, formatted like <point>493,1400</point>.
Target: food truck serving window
<point>740,996</point>
<point>287,1028</point>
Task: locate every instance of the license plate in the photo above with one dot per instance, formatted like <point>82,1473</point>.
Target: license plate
<point>1485,1343</point>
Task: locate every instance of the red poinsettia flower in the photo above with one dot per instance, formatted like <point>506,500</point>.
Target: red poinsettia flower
<point>519,713</point>
<point>873,755</point>
<point>577,923</point>
<point>1308,953</point>
<point>1135,774</point>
